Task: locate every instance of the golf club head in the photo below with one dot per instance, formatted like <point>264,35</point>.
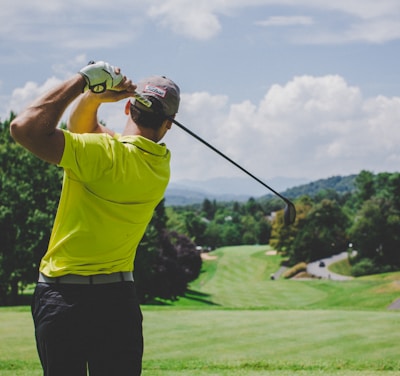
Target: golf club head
<point>289,214</point>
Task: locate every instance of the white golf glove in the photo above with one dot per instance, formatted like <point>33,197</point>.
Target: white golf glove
<point>100,77</point>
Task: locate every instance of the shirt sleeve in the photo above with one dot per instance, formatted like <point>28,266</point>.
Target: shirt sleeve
<point>87,156</point>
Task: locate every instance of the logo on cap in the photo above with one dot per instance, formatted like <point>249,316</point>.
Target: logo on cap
<point>155,90</point>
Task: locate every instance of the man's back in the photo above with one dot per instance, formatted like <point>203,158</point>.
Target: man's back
<point>111,187</point>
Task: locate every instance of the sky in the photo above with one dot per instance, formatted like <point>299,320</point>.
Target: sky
<point>301,89</point>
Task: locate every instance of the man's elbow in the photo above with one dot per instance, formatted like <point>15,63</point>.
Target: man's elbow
<point>16,130</point>
<point>21,131</point>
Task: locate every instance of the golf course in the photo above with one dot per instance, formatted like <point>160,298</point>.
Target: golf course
<point>236,320</point>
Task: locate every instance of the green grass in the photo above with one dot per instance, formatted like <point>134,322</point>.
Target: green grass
<point>240,278</point>
<point>341,267</point>
<point>275,340</point>
<point>236,321</point>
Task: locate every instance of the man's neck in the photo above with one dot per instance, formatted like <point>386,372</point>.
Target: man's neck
<point>133,129</point>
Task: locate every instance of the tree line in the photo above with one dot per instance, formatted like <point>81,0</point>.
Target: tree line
<point>363,215</point>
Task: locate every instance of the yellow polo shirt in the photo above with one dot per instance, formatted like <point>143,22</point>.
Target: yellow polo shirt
<point>110,189</point>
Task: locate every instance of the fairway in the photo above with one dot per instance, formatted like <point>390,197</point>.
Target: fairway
<point>236,321</point>
<point>271,340</point>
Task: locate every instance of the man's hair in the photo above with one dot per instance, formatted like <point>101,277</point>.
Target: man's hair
<point>148,119</point>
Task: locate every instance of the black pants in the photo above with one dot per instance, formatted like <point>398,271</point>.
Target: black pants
<point>88,327</point>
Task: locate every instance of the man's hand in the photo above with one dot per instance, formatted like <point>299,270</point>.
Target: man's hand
<point>83,116</point>
<point>101,76</point>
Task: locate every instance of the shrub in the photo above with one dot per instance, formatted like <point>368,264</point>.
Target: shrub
<point>298,268</point>
<point>367,266</point>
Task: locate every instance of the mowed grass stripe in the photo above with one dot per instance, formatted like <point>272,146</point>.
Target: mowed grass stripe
<point>310,338</point>
<point>239,278</point>
<point>242,280</point>
<point>216,342</point>
<point>236,321</point>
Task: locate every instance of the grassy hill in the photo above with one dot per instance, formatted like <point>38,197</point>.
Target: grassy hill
<point>236,321</point>
<point>239,277</point>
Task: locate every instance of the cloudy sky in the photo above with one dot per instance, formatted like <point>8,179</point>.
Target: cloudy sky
<point>304,89</point>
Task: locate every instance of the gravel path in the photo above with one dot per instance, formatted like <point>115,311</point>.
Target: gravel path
<point>395,304</point>
<point>315,269</point>
<point>322,271</point>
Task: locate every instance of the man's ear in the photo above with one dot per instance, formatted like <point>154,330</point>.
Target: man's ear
<point>128,108</point>
<point>168,124</point>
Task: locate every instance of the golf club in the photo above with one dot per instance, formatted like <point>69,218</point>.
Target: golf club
<point>289,214</point>
<point>290,210</point>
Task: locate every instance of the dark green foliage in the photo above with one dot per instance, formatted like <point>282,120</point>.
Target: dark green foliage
<point>360,209</point>
<point>165,261</point>
<point>209,208</point>
<point>213,225</point>
<point>29,191</point>
<point>323,233</point>
<point>376,233</point>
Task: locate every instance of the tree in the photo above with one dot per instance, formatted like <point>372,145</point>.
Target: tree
<point>264,230</point>
<point>196,227</point>
<point>365,186</point>
<point>253,207</point>
<point>376,233</point>
<point>29,192</point>
<point>282,237</point>
<point>323,233</point>
<point>209,208</point>
<point>213,235</point>
<point>165,261</point>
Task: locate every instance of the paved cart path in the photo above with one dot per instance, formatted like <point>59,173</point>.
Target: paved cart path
<point>314,268</point>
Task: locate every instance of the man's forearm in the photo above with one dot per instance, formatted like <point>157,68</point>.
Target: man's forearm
<point>83,117</point>
<point>36,126</point>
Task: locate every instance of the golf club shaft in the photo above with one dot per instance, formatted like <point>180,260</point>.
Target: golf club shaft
<point>230,160</point>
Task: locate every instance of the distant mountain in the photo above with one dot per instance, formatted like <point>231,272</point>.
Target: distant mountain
<point>339,184</point>
<point>186,192</point>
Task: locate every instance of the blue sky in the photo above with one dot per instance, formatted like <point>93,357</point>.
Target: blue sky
<point>295,88</point>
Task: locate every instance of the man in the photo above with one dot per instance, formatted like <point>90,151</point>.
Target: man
<point>85,310</point>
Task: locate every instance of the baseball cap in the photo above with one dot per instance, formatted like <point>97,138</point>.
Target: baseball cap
<point>162,89</point>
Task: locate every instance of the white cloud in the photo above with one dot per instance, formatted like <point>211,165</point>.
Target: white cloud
<point>107,24</point>
<point>286,21</point>
<point>24,96</point>
<point>310,127</point>
<point>350,21</point>
<point>375,31</point>
<point>96,24</point>
<point>193,19</point>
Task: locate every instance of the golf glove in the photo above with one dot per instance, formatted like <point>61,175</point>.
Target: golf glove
<point>100,77</point>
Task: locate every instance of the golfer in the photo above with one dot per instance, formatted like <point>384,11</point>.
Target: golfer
<point>84,308</point>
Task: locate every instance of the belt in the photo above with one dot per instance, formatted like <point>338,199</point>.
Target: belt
<point>96,279</point>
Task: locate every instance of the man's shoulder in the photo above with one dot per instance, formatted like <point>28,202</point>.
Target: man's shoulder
<point>82,147</point>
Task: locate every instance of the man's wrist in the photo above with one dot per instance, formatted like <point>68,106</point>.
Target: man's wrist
<point>82,82</point>
<point>100,77</point>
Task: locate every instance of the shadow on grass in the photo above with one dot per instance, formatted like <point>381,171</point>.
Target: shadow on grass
<point>189,295</point>
<point>199,297</point>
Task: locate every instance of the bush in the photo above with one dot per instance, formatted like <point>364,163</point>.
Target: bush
<point>367,266</point>
<point>298,268</point>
